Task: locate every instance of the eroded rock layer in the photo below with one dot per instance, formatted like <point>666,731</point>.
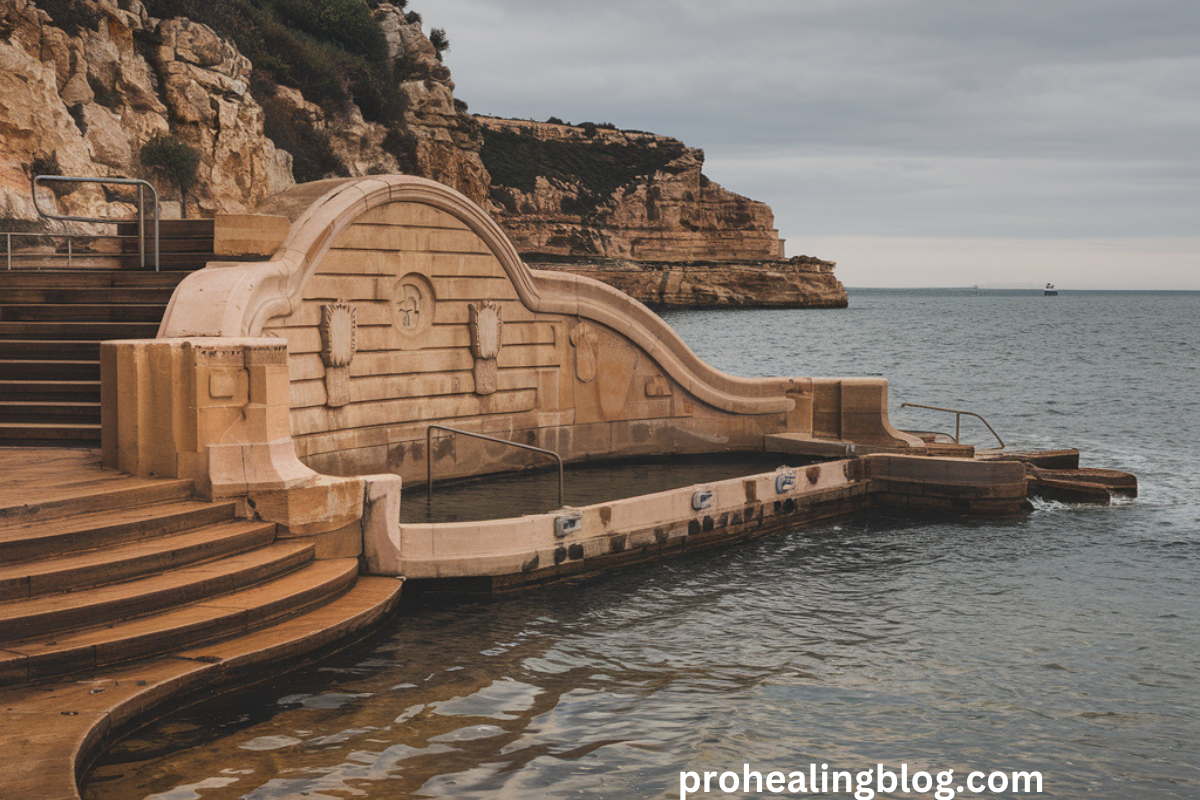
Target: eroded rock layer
<point>592,190</point>
<point>799,282</point>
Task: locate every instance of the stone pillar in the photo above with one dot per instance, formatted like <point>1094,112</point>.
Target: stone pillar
<point>216,411</point>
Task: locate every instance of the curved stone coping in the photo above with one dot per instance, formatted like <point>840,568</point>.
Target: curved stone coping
<point>54,732</point>
<point>499,547</point>
<point>237,300</point>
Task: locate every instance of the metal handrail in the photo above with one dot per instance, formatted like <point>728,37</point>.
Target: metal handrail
<point>141,207</point>
<point>958,415</point>
<point>429,455</point>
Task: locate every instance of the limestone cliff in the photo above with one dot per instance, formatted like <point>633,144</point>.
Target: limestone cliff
<point>800,282</point>
<point>85,83</point>
<point>81,94</point>
<point>593,190</point>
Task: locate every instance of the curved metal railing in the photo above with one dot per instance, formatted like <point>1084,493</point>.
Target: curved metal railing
<point>429,455</point>
<point>141,185</point>
<point>958,415</point>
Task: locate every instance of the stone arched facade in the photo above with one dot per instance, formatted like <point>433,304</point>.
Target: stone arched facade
<point>449,326</point>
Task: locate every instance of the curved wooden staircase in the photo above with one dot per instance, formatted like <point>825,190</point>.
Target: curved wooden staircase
<point>119,594</point>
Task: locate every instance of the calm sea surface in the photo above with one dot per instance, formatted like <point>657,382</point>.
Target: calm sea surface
<point>1067,642</point>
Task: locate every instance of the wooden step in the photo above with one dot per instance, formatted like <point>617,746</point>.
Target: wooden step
<point>50,412</point>
<point>25,539</point>
<point>32,503</point>
<point>318,604</point>
<point>106,605</point>
<point>53,391</point>
<point>49,434</point>
<point>98,279</point>
<point>172,227</point>
<point>17,312</point>
<point>91,331</point>
<point>44,370</point>
<point>49,350</point>
<point>125,562</point>
<point>73,716</point>
<point>84,295</point>
<point>172,244</point>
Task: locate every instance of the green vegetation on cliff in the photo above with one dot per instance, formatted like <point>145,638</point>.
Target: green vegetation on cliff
<point>333,51</point>
<point>599,168</point>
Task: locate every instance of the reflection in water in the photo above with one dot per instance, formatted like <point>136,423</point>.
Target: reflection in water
<point>1064,642</point>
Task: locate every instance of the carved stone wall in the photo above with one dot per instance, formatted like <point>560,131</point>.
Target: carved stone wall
<point>579,368</point>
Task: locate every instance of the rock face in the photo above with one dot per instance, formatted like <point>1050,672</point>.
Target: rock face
<point>592,190</point>
<point>82,94</point>
<point>434,137</point>
<point>799,282</point>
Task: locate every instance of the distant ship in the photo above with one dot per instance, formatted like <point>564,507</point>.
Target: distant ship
<point>1049,291</point>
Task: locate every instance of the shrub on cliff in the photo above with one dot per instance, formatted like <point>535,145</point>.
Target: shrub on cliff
<point>439,40</point>
<point>517,158</point>
<point>173,160</point>
<point>333,51</point>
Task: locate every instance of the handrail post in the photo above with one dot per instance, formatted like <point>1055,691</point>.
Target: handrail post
<point>429,456</point>
<point>8,248</point>
<point>141,225</point>
<point>429,465</point>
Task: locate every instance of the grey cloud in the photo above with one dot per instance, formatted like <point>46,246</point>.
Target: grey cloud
<point>940,117</point>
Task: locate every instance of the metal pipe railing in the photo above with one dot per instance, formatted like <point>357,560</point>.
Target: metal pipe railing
<point>14,253</point>
<point>141,210</point>
<point>429,455</point>
<point>958,415</point>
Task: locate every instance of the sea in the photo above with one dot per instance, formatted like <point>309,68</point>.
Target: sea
<point>1064,644</point>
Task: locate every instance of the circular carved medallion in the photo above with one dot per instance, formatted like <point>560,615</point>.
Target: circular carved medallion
<point>412,304</point>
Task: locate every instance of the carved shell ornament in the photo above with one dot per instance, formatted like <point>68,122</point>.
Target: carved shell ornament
<point>339,342</point>
<point>485,330</point>
<point>339,334</point>
<point>485,325</point>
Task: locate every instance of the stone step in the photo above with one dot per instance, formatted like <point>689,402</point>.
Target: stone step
<point>90,331</point>
<point>81,312</point>
<point>103,490</point>
<point>52,391</point>
<point>49,434</point>
<point>50,412</point>
<point>24,539</point>
<point>125,562</point>
<point>43,370</point>
<point>49,350</point>
<point>108,605</point>
<point>233,614</point>
<point>82,295</point>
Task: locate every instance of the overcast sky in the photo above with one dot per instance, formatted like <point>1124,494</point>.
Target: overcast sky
<point>915,142</point>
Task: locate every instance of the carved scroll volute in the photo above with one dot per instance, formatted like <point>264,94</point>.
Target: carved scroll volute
<point>339,342</point>
<point>485,325</point>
